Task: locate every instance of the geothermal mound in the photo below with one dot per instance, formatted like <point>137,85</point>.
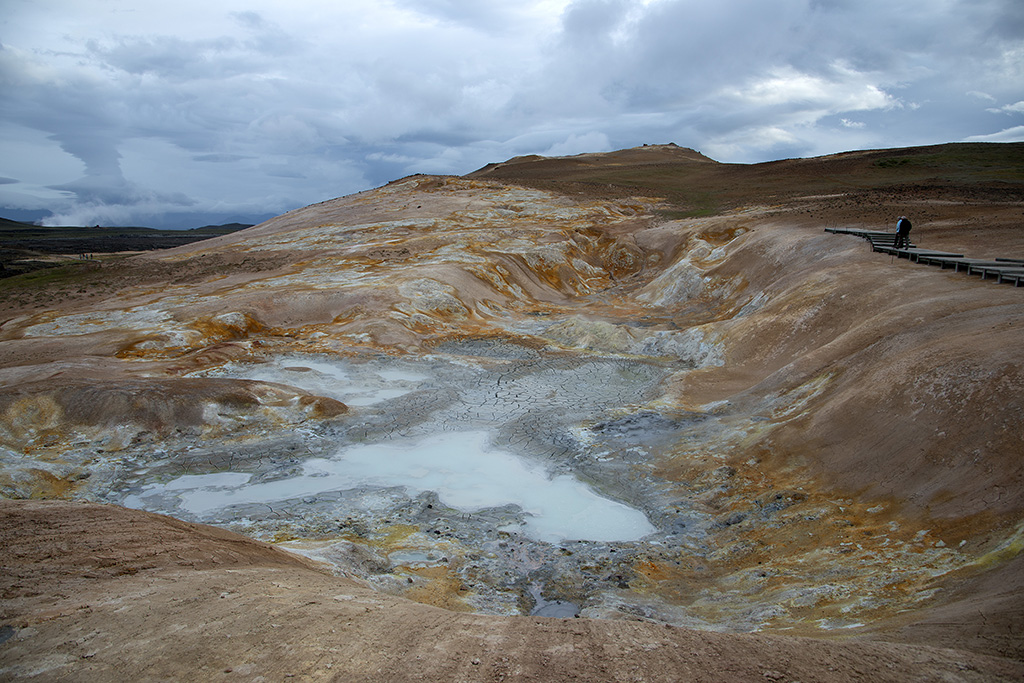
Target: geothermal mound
<point>625,416</point>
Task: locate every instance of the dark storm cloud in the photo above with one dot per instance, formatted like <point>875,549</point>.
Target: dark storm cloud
<point>754,79</point>
<point>95,145</point>
<point>169,57</point>
<point>267,106</point>
<point>1002,19</point>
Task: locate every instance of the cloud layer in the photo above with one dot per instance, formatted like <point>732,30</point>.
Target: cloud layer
<point>128,112</point>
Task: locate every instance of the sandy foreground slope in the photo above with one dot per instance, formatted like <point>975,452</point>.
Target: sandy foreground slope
<point>826,444</point>
<point>104,593</point>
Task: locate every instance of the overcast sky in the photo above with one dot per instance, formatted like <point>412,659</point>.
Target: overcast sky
<point>178,114</point>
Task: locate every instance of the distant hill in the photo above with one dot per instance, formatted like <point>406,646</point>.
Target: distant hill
<point>581,166</point>
<point>698,185</point>
<point>7,224</point>
<point>25,247</point>
<point>222,229</point>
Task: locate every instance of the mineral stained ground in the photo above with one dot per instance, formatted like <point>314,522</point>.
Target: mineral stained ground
<point>641,392</point>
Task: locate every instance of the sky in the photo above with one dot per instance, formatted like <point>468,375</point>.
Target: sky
<point>196,112</point>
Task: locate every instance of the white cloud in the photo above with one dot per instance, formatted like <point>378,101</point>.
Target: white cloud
<point>391,158</point>
<point>846,90</point>
<point>269,104</point>
<point>579,144</point>
<point>1015,134</point>
<point>1015,108</point>
<point>749,141</point>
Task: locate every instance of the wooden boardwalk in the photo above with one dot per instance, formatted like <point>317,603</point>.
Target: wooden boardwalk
<point>1001,270</point>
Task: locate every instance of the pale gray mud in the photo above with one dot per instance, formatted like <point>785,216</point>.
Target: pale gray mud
<point>516,471</point>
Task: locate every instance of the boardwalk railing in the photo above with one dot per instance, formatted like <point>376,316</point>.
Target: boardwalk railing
<point>1000,269</point>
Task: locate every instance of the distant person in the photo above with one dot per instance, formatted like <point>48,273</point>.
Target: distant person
<point>902,233</point>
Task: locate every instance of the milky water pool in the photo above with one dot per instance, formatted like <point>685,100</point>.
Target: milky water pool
<point>461,468</point>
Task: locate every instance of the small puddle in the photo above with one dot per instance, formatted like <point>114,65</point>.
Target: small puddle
<point>556,609</point>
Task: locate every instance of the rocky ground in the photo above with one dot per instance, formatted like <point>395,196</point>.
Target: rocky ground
<point>804,451</point>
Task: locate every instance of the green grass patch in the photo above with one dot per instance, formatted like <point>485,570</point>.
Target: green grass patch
<point>962,161</point>
<point>893,162</point>
<point>674,214</point>
<point>63,274</point>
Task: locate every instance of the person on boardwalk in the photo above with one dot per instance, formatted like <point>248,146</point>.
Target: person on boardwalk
<point>902,233</point>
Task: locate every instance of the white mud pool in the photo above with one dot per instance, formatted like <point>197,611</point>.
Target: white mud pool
<point>501,479</point>
<point>482,453</point>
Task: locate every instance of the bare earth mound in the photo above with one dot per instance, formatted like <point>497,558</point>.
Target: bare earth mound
<point>790,458</point>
